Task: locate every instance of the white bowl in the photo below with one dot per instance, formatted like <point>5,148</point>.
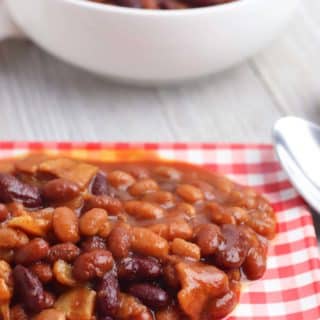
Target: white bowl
<point>151,46</point>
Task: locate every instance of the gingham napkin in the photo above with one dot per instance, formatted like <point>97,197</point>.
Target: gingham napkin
<point>290,289</point>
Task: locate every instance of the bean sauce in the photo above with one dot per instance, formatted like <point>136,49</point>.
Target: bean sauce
<point>150,240</point>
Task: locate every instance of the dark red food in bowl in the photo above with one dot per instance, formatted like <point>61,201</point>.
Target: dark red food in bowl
<point>164,4</point>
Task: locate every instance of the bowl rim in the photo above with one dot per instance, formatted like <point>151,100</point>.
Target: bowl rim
<point>96,6</point>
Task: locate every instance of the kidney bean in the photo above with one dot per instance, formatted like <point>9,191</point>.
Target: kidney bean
<point>233,248</point>
<point>30,288</point>
<point>60,190</point>
<point>108,300</point>
<point>99,185</point>
<point>139,268</point>
<point>112,205</point>
<point>150,295</point>
<point>143,187</point>
<point>12,238</point>
<point>119,241</point>
<point>189,193</point>
<point>31,252</point>
<point>65,251</point>
<point>50,314</point>
<point>13,189</point>
<point>92,264</point>
<point>65,225</point>
<point>4,213</point>
<point>92,221</point>
<point>93,243</point>
<point>208,238</point>
<point>43,271</point>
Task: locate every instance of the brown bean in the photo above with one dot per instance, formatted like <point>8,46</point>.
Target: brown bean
<point>64,251</point>
<point>119,241</point>
<point>222,306</point>
<point>143,210</point>
<point>92,264</point>
<point>65,225</point>
<point>167,173</point>
<point>189,193</point>
<point>43,271</point>
<point>146,242</point>
<point>92,221</point>
<point>233,248</point>
<point>143,187</point>
<point>164,198</point>
<point>112,205</point>
<point>93,243</point>
<point>120,179</point>
<point>4,213</point>
<point>255,264</point>
<point>60,190</point>
<point>12,238</point>
<point>263,223</point>
<point>186,208</point>
<point>99,185</point>
<point>219,215</point>
<point>36,250</point>
<point>241,215</point>
<point>186,249</point>
<point>179,228</point>
<point>208,238</point>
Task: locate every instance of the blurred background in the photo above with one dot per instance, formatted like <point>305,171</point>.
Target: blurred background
<point>45,99</point>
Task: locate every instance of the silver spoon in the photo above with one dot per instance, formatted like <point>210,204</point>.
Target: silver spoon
<point>297,144</point>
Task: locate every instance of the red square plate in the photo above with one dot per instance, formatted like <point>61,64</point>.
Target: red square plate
<point>290,289</point>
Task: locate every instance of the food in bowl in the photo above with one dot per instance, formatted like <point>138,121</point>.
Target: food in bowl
<point>164,4</point>
<point>138,240</point>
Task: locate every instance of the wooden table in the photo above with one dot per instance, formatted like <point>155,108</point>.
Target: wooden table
<point>45,99</point>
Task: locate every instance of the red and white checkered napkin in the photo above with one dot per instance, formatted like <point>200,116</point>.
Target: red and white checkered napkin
<point>290,289</point>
